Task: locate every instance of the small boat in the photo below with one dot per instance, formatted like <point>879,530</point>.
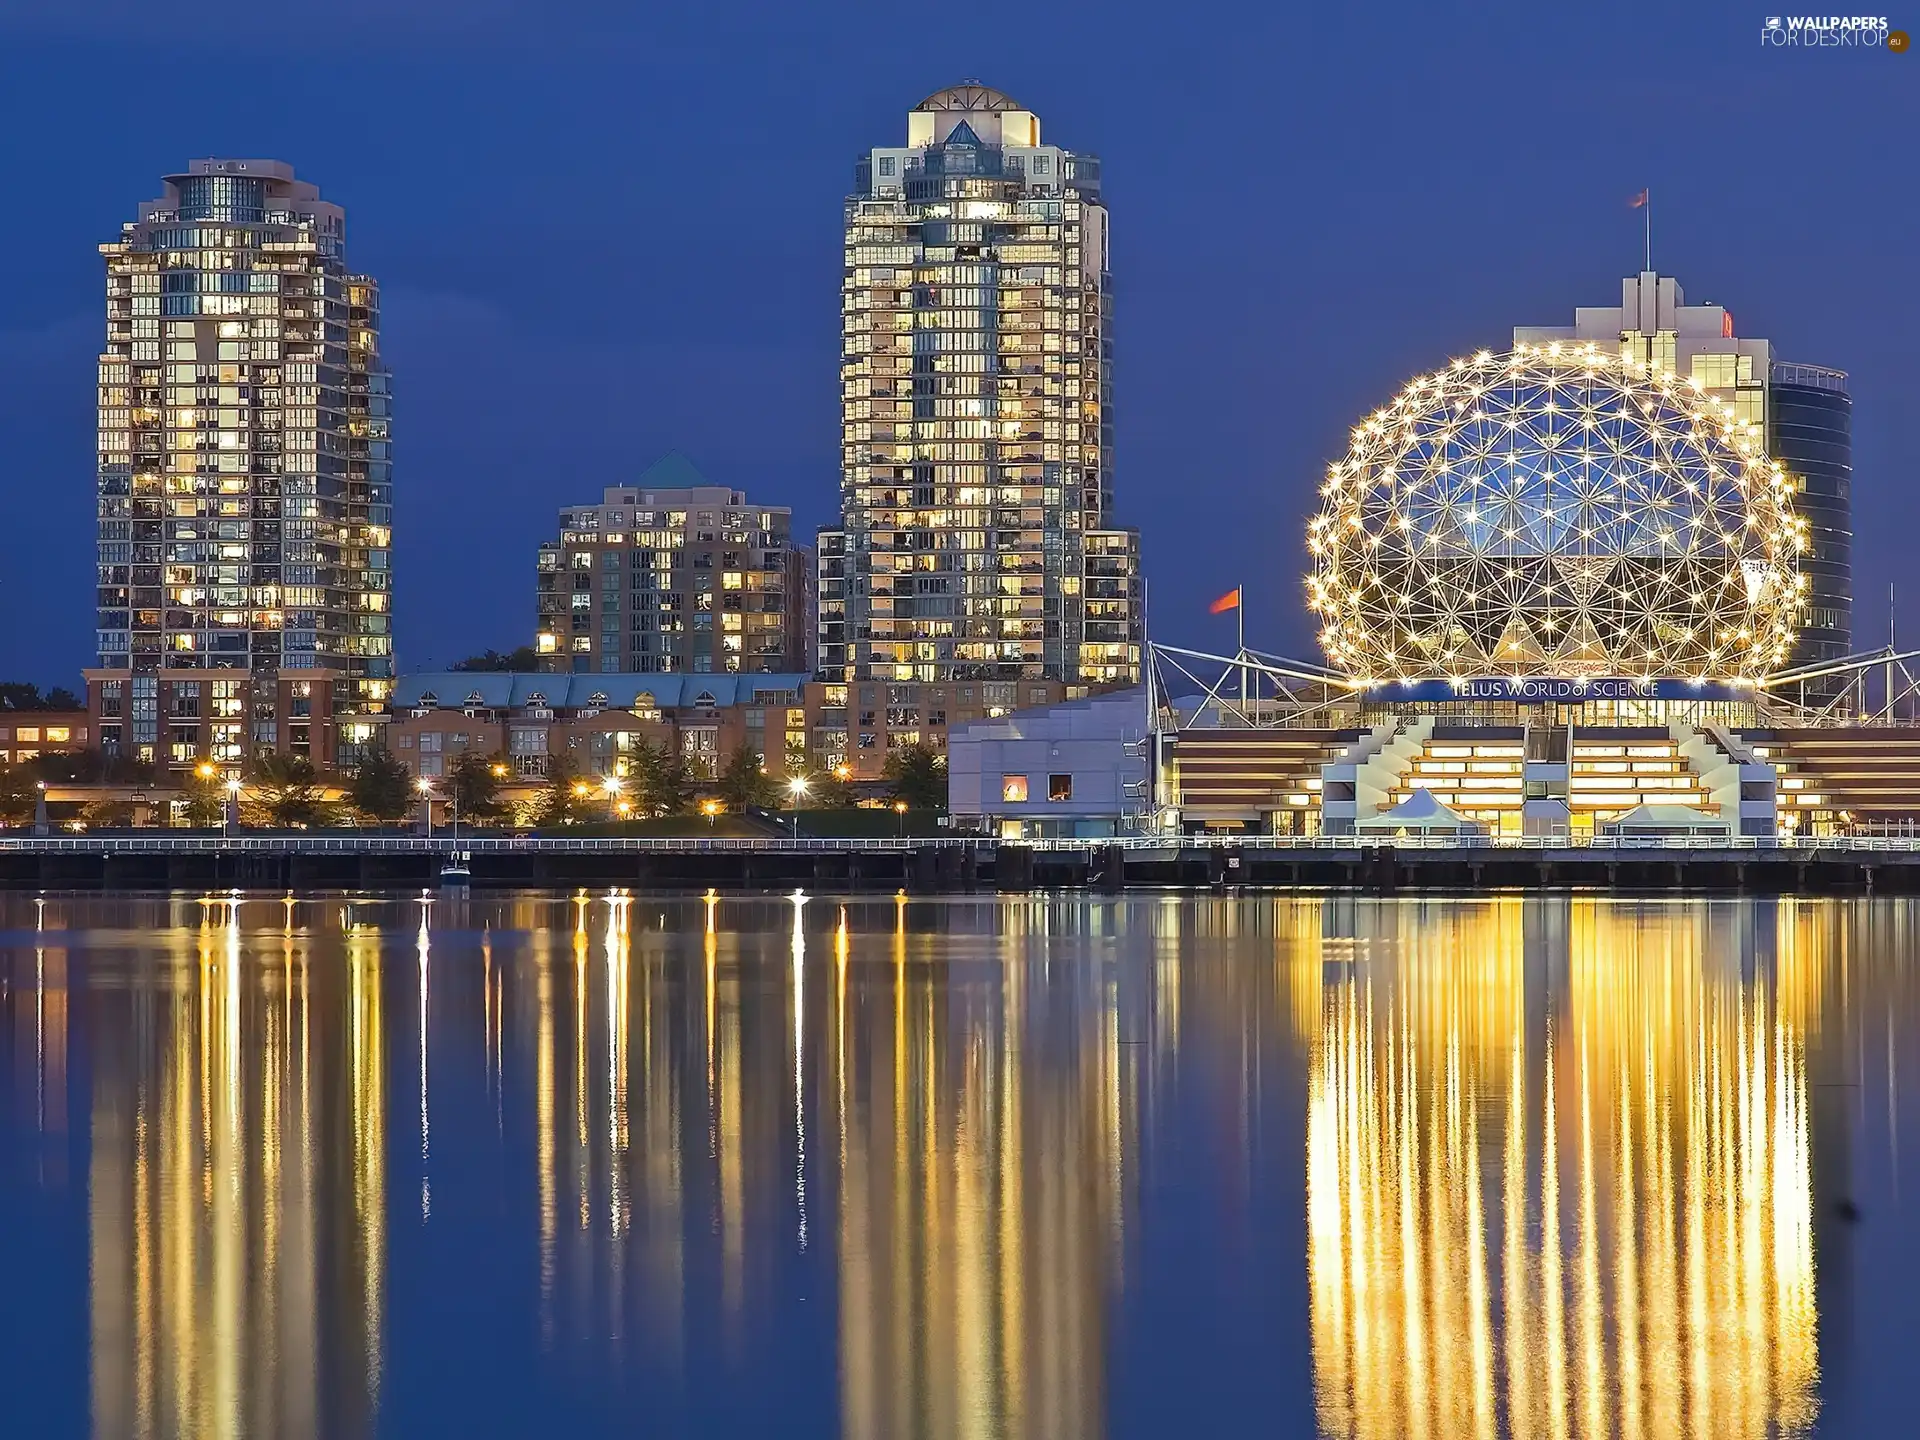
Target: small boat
<point>455,871</point>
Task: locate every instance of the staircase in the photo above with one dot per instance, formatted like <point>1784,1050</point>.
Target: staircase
<point>1480,771</point>
<point>1617,769</point>
<point>1358,781</point>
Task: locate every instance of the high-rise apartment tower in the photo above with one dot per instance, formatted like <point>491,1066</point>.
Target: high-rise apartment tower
<point>245,490</point>
<point>977,537</point>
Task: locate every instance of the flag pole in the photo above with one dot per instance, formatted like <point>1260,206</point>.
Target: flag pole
<point>1240,619</point>
<point>1648,217</point>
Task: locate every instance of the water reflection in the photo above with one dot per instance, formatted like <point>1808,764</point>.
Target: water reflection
<point>237,1200</point>
<point>1556,1167</point>
<point>1559,1178</point>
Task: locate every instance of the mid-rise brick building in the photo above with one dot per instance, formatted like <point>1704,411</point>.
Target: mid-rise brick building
<point>597,722</point>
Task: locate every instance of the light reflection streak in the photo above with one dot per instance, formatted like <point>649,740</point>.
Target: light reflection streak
<point>799,947</point>
<point>1652,1185</point>
<point>423,944</point>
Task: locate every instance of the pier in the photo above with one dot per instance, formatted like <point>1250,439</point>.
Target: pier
<point>959,864</point>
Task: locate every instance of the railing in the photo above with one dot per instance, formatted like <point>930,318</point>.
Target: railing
<point>1818,377</point>
<point>299,844</point>
<point>1484,844</point>
<point>439,844</point>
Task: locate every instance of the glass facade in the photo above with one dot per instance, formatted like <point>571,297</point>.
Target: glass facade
<point>977,414</point>
<point>1810,431</point>
<point>244,483</point>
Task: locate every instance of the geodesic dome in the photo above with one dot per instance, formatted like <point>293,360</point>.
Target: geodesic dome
<point>1555,511</point>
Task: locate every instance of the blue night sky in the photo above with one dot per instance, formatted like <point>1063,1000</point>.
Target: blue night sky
<point>607,230</point>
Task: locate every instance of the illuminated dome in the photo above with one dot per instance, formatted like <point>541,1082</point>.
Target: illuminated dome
<point>968,95</point>
<point>1555,511</point>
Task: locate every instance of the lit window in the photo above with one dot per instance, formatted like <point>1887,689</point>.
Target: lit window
<point>1013,788</point>
<point>58,735</point>
<point>1059,787</point>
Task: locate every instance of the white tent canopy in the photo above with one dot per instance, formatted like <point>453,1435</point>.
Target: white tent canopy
<point>1655,819</point>
<point>1420,814</point>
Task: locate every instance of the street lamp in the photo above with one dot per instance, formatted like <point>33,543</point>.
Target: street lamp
<point>612,785</point>
<point>797,788</point>
<point>900,809</point>
<point>710,808</point>
<point>231,815</point>
<point>425,787</point>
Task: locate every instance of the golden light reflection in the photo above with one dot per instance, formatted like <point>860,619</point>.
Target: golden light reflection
<point>1559,1179</point>
<point>979,1222</point>
<point>234,1260</point>
<point>1562,1159</point>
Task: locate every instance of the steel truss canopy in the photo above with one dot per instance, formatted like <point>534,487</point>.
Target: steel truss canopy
<point>1556,510</point>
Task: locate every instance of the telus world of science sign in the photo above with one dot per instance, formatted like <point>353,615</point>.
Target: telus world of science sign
<point>1546,689</point>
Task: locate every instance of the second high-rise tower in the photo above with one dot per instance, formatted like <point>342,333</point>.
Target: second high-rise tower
<point>977,537</point>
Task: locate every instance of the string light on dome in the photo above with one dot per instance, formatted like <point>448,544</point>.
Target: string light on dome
<point>1670,526</point>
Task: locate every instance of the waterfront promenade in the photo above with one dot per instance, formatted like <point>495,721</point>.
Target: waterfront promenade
<point>309,859</point>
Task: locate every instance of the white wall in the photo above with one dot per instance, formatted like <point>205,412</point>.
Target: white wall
<point>1097,742</point>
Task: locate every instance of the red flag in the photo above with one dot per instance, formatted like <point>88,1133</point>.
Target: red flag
<point>1228,601</point>
<point>1637,201</point>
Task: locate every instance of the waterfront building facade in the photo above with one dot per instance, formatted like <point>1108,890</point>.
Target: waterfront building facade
<point>244,481</point>
<point>674,575</point>
<point>797,725</point>
<point>977,539</point>
<point>1803,411</point>
<point>26,735</point>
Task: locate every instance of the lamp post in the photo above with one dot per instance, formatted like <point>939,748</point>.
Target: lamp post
<point>710,808</point>
<point>612,785</point>
<point>230,816</point>
<point>41,825</point>
<point>797,791</point>
<point>900,810</point>
<point>425,787</point>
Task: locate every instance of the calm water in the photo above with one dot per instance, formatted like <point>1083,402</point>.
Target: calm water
<point>884,1169</point>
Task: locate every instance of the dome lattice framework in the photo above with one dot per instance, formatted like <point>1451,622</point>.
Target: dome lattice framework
<point>1555,511</point>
